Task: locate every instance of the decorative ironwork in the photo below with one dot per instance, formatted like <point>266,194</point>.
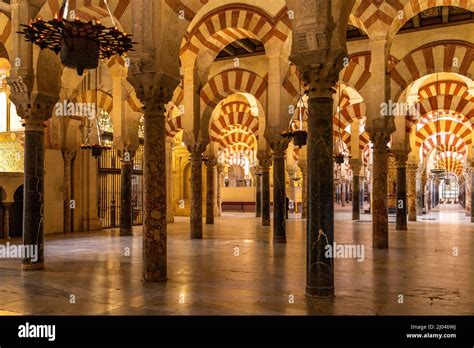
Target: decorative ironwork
<point>79,44</point>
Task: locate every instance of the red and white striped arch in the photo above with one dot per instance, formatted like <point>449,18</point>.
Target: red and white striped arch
<point>446,104</point>
<point>454,88</point>
<point>233,81</point>
<point>443,128</point>
<point>173,126</point>
<point>441,56</point>
<point>237,136</point>
<point>448,142</point>
<point>226,24</point>
<point>234,115</point>
<point>413,7</point>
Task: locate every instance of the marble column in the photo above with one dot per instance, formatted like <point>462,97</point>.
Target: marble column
<point>472,194</point>
<point>154,225</point>
<point>419,193</point>
<point>356,167</point>
<point>196,191</point>
<point>169,182</point>
<point>320,223</point>
<point>401,204</point>
<point>210,166</point>
<point>304,191</point>
<point>33,205</point>
<point>412,169</point>
<point>265,164</point>
<point>258,193</point>
<point>428,192</point>
<point>279,192</point>
<point>6,219</point>
<point>68,157</point>
<point>220,170</point>
<point>126,213</point>
<point>379,211</point>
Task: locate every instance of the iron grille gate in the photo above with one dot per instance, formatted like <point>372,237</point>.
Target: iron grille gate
<point>109,188</point>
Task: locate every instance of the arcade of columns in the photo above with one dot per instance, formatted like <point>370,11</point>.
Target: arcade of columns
<point>182,94</point>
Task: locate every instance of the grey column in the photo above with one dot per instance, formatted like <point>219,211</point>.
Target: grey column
<point>265,164</point>
<point>210,165</point>
<point>279,192</point>
<point>401,204</point>
<point>196,191</point>
<point>258,193</point>
<point>126,213</point>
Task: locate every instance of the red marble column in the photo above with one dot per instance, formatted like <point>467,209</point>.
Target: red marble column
<point>380,210</point>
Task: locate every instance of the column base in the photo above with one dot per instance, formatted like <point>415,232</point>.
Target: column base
<point>401,228</point>
<point>257,215</point>
<point>380,245</point>
<point>126,232</point>
<point>32,266</point>
<point>154,278</point>
<point>265,223</point>
<point>320,292</point>
<point>279,239</point>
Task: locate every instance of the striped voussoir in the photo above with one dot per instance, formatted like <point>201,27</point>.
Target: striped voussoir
<point>102,100</point>
<point>226,24</point>
<point>455,106</point>
<point>233,81</point>
<point>440,56</point>
<point>234,115</point>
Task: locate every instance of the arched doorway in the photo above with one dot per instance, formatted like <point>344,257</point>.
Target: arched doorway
<point>16,218</point>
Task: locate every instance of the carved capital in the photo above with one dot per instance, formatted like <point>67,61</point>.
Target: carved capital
<point>323,77</point>
<point>279,147</point>
<point>69,155</point>
<point>210,163</point>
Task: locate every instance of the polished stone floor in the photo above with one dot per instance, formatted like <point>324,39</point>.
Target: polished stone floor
<point>211,276</point>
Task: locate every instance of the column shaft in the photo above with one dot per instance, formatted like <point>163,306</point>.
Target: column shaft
<point>67,213</point>
<point>196,193</point>
<point>154,226</point>
<point>412,168</point>
<point>380,212</point>
<point>126,214</point>
<point>320,223</point>
<point>210,192</point>
<point>279,195</point>
<point>356,197</point>
<point>266,193</point>
<point>33,208</point>
<point>401,223</point>
<point>258,195</point>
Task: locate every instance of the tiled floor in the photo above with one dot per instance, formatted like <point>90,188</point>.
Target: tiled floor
<point>206,277</point>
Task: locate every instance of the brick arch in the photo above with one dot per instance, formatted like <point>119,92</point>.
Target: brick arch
<point>431,58</point>
<point>234,114</point>
<point>454,88</point>
<point>229,23</point>
<point>348,114</point>
<point>364,139</point>
<point>366,13</point>
<point>458,107</point>
<point>449,142</point>
<point>429,132</point>
<point>237,137</point>
<point>451,161</point>
<point>87,9</point>
<point>5,35</point>
<point>173,126</point>
<point>413,7</point>
<point>104,100</point>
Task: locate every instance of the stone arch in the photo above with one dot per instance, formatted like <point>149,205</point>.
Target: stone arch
<point>440,56</point>
<point>458,107</point>
<point>413,7</point>
<point>104,100</point>
<point>226,83</point>
<point>228,23</point>
<point>234,115</point>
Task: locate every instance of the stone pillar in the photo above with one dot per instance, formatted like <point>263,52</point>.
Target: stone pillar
<point>304,190</point>
<point>279,192</point>
<point>412,169</point>
<point>6,219</point>
<point>428,192</point>
<point>196,191</point>
<point>356,166</point>
<point>258,192</point>
<point>220,169</point>
<point>379,189</point>
<point>468,181</point>
<point>320,223</point>
<point>419,193</point>
<point>265,164</point>
<point>33,205</point>
<point>211,166</point>
<point>68,157</point>
<point>154,225</point>
<point>401,223</point>
<point>169,182</point>
<point>126,213</point>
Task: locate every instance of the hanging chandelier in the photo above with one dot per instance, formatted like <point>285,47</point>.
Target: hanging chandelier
<point>101,145</point>
<point>80,44</point>
<point>296,132</point>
